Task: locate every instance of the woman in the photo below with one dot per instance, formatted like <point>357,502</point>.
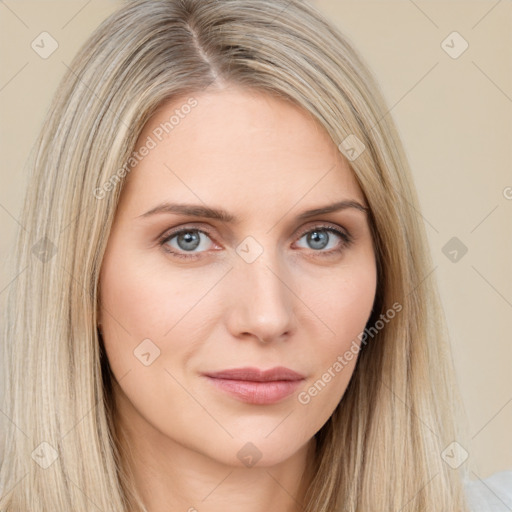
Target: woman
<point>224,301</point>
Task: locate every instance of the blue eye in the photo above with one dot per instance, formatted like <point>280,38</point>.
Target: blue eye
<point>190,243</point>
<point>320,237</point>
<point>187,240</point>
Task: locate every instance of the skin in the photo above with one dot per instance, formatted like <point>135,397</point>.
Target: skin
<point>265,161</point>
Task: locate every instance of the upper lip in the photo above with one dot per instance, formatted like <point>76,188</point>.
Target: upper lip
<point>257,374</point>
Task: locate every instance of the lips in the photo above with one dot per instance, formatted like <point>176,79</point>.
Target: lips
<point>257,386</point>
<point>257,375</point>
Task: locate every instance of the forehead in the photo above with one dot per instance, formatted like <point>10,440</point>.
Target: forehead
<point>238,146</point>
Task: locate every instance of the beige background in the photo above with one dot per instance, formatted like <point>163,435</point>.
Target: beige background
<point>455,117</point>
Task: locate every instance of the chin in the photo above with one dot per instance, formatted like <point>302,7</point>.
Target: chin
<point>259,451</point>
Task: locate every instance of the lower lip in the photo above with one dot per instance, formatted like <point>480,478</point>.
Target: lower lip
<point>257,392</point>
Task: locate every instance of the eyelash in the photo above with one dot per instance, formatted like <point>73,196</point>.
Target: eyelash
<point>346,240</point>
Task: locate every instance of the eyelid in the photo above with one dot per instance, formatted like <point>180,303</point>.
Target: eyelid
<point>311,226</point>
<point>346,237</point>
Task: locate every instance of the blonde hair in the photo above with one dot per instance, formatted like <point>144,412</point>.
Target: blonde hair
<point>381,448</point>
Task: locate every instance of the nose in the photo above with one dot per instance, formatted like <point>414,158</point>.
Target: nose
<point>262,302</point>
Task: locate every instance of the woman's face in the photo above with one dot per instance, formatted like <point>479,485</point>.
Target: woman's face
<point>218,260</point>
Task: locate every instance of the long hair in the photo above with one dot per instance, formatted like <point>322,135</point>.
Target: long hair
<point>382,447</point>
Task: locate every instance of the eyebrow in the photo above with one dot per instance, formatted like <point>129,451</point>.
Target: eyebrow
<point>196,210</point>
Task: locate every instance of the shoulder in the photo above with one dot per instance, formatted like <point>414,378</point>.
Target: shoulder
<point>492,494</point>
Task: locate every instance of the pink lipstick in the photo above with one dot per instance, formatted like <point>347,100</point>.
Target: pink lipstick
<point>255,386</point>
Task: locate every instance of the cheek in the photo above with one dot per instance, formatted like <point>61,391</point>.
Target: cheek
<point>141,300</point>
<point>343,306</point>
<point>344,303</point>
<point>149,322</point>
<point>134,303</point>
<point>134,298</point>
